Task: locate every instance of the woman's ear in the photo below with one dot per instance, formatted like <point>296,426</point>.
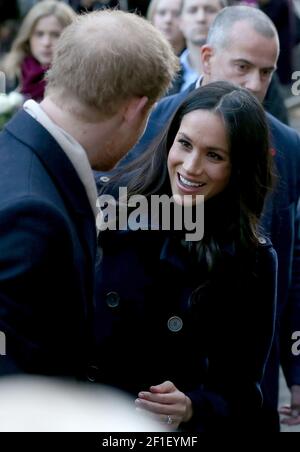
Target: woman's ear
<point>206,55</point>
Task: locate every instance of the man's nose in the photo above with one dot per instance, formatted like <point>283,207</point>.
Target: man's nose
<point>253,82</point>
<point>201,16</point>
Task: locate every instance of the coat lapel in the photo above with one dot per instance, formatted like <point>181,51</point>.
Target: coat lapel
<point>32,134</point>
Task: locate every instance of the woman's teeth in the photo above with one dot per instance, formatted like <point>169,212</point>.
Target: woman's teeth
<point>189,183</point>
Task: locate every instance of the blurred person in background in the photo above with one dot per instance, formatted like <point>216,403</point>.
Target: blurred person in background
<point>164,15</point>
<point>195,19</point>
<point>32,50</point>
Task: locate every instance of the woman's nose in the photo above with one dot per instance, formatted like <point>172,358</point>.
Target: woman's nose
<point>193,164</point>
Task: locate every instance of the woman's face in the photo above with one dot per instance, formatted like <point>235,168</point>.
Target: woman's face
<point>199,159</point>
<point>43,39</point>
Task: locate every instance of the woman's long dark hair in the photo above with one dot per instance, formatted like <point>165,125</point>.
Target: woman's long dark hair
<point>234,214</point>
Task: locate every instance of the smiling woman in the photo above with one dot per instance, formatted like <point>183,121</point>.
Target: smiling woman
<point>199,160</point>
<point>183,303</point>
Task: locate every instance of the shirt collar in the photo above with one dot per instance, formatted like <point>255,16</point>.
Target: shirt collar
<point>71,147</point>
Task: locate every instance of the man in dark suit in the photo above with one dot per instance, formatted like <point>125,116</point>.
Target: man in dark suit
<point>243,47</point>
<point>91,116</point>
<point>195,19</point>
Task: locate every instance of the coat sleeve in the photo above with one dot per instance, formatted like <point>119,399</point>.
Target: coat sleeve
<point>239,346</point>
<point>289,314</point>
<point>290,321</point>
<point>34,257</point>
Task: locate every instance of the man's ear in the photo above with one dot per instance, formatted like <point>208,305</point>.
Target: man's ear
<point>135,108</point>
<point>206,53</point>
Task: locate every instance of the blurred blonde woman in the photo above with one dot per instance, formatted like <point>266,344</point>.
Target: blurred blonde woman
<point>32,50</point>
<point>164,15</point>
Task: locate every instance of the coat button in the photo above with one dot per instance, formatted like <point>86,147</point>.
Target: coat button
<point>112,299</point>
<point>175,324</point>
<point>262,241</point>
<point>104,179</point>
<point>92,373</point>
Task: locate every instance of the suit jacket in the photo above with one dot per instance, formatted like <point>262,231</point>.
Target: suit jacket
<point>273,102</point>
<point>281,223</point>
<point>47,254</point>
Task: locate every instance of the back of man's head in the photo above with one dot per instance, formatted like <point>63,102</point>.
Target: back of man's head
<point>219,33</point>
<point>107,57</point>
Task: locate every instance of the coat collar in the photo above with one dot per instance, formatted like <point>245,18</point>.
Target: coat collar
<point>31,133</point>
<point>176,255</point>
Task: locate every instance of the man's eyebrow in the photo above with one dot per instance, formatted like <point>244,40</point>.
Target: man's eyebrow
<point>242,60</point>
<point>270,68</point>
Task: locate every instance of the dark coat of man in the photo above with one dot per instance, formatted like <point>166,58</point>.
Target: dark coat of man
<point>47,254</point>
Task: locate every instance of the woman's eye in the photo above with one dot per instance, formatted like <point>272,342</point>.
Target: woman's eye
<point>184,143</point>
<point>214,156</point>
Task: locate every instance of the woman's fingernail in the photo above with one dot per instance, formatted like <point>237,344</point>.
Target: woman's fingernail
<point>137,401</point>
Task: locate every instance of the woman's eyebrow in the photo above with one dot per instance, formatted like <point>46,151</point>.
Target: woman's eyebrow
<point>210,148</point>
<point>183,135</point>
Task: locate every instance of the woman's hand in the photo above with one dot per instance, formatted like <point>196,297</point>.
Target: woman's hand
<point>166,403</point>
<point>292,412</point>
